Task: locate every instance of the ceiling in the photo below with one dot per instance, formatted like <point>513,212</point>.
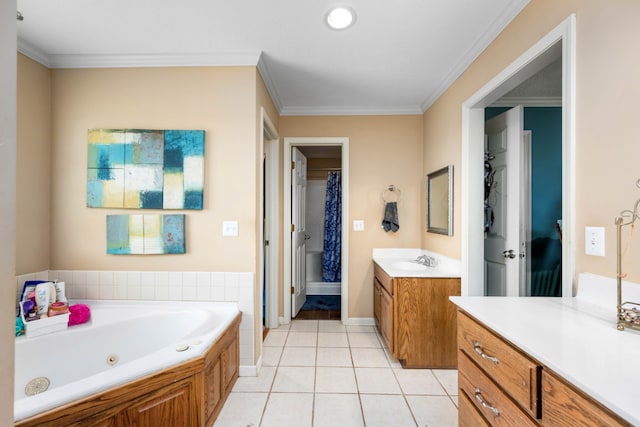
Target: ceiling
<point>398,58</point>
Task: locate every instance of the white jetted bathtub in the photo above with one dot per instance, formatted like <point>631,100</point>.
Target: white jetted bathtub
<point>123,341</point>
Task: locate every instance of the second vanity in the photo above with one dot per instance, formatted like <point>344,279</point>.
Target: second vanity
<point>412,308</point>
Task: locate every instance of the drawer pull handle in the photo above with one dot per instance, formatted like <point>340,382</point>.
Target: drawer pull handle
<point>478,349</point>
<point>484,404</point>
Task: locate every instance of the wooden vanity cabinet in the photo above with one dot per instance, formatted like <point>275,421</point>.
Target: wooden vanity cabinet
<point>500,385</point>
<point>416,319</point>
<point>567,406</point>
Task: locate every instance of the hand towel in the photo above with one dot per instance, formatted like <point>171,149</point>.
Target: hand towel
<point>390,221</point>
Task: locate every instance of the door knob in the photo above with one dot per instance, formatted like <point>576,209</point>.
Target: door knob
<point>511,254</point>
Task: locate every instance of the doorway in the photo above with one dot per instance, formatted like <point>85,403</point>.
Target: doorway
<point>539,248</point>
<point>303,270</point>
<point>270,225</point>
<point>560,41</point>
<point>323,225</point>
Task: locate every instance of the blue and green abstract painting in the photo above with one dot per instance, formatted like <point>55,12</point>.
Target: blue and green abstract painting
<point>145,234</point>
<point>145,169</point>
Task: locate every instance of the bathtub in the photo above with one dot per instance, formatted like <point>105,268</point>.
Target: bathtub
<point>315,285</point>
<point>123,341</point>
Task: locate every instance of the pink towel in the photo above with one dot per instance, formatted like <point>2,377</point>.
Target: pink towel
<point>79,313</point>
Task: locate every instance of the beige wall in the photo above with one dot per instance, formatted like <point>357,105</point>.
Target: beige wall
<point>607,127</point>
<point>383,150</point>
<point>219,100</point>
<point>33,198</point>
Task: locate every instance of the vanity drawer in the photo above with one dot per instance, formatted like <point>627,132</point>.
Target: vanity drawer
<point>517,374</point>
<point>468,415</point>
<point>487,397</point>
<point>385,280</point>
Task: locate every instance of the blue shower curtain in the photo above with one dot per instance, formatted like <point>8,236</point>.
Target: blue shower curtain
<point>331,268</point>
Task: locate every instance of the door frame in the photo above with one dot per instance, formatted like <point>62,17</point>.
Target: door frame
<point>289,142</point>
<point>534,59</point>
<point>271,192</point>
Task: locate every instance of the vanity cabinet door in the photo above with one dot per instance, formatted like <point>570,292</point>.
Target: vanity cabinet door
<point>377,295</point>
<point>172,407</point>
<point>426,322</point>
<point>387,319</point>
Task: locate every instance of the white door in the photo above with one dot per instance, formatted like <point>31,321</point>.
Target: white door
<point>298,231</point>
<point>503,139</point>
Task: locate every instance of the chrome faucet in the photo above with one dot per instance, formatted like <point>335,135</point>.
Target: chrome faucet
<point>427,261</point>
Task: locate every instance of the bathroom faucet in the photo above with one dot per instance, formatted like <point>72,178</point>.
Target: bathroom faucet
<point>427,261</point>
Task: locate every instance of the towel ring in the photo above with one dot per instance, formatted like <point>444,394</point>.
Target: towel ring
<point>391,194</point>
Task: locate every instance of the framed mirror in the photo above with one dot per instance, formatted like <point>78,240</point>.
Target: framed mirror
<point>440,201</point>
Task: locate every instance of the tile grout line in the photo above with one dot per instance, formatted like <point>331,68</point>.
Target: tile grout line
<point>389,365</point>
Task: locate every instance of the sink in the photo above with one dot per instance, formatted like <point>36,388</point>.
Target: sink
<point>408,265</point>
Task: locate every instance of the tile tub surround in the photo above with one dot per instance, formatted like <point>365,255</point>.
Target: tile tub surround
<point>163,286</point>
<point>336,375</point>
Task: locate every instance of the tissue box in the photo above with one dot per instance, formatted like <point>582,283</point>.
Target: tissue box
<point>45,325</point>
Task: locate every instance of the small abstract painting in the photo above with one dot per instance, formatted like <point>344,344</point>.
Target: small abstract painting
<point>145,169</point>
<point>145,234</point>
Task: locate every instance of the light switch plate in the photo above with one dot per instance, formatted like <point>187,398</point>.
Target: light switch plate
<point>594,241</point>
<point>230,228</point>
<point>358,225</point>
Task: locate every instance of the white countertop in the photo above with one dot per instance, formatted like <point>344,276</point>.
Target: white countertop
<point>576,339</point>
<point>399,262</point>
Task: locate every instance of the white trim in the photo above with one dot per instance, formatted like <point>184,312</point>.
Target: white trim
<point>227,59</point>
<point>33,52</point>
<point>292,142</point>
<point>549,101</point>
<point>273,192</point>
<point>360,321</point>
<point>263,69</point>
<point>351,111</point>
<point>248,370</point>
<point>527,64</point>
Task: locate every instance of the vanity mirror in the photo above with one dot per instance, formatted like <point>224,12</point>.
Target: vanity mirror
<point>440,201</point>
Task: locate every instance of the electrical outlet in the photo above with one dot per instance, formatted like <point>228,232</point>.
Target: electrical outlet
<point>358,225</point>
<point>594,241</point>
<point>230,228</point>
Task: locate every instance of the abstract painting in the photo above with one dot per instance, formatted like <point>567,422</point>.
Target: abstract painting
<point>145,234</point>
<point>145,169</point>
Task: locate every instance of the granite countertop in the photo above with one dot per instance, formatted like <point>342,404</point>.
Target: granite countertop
<point>399,262</point>
<point>577,340</point>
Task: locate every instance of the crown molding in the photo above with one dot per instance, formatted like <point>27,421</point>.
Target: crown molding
<point>249,58</point>
<point>263,69</point>
<point>498,25</point>
<point>34,53</point>
<point>351,111</point>
<point>528,101</point>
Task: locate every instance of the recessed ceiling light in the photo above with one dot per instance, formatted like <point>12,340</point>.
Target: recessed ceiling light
<point>341,18</point>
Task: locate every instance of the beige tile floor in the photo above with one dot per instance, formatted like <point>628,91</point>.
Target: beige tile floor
<point>320,373</point>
